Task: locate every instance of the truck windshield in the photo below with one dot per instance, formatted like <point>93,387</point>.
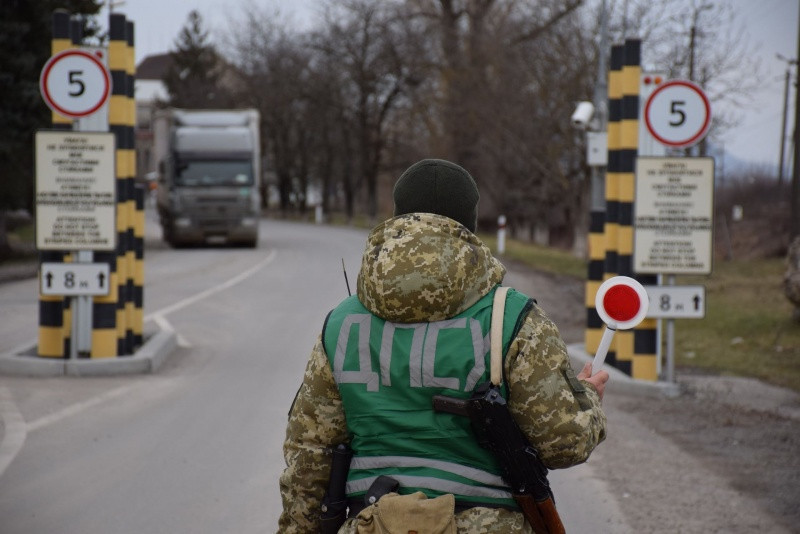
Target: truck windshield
<point>213,172</point>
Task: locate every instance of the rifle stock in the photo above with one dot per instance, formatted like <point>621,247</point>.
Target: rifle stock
<point>542,516</point>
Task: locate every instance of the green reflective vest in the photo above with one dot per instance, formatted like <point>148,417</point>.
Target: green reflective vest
<point>387,374</point>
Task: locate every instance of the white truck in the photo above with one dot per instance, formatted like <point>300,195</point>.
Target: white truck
<point>208,165</point>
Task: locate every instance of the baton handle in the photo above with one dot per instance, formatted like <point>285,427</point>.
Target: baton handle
<point>602,349</point>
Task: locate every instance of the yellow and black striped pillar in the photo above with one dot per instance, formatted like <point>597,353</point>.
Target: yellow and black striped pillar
<point>108,329</point>
<point>54,311</point>
<point>596,270</point>
<point>130,184</point>
<point>633,352</point>
<point>136,202</point>
<point>138,278</point>
<point>636,349</point>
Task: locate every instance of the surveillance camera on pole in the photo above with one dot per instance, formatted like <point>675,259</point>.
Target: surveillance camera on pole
<point>582,115</point>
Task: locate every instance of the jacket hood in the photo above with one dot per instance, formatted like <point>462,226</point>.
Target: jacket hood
<point>422,267</point>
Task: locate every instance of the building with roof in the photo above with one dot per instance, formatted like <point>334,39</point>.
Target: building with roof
<point>150,93</point>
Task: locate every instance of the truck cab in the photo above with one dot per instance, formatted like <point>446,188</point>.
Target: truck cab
<point>208,164</point>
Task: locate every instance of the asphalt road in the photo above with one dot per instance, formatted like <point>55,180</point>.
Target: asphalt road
<point>195,447</point>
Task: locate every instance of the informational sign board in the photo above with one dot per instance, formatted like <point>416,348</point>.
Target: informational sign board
<point>673,216</point>
<point>75,83</point>
<point>676,302</point>
<point>75,191</point>
<point>75,279</point>
<point>678,113</point>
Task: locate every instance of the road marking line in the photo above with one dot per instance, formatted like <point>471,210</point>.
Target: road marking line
<point>158,316</point>
<point>76,408</point>
<point>216,289</point>
<point>14,431</point>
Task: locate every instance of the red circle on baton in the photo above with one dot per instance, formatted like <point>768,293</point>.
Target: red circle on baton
<point>621,302</point>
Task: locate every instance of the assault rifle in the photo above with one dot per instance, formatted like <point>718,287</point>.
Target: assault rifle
<point>497,432</point>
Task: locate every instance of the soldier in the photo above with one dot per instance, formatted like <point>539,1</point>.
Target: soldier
<point>419,326</point>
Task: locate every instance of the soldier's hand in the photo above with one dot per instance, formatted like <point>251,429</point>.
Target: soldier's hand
<point>598,381</point>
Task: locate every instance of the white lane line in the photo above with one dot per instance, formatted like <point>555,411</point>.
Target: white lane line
<point>14,431</point>
<point>158,316</point>
<point>76,408</point>
<point>216,289</point>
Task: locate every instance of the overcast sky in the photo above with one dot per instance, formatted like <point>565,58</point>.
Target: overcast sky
<point>771,27</point>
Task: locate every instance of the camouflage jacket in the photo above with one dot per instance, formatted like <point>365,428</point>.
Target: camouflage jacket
<point>424,267</point>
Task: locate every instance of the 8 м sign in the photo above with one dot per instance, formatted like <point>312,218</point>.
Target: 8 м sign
<point>75,279</point>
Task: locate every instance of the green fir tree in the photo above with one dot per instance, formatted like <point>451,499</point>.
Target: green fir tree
<point>193,79</point>
<point>25,46</point>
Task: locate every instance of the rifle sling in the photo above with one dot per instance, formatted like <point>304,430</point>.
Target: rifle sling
<point>496,336</point>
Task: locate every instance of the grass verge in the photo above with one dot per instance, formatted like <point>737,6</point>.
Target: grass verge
<point>541,258</point>
<point>748,329</point>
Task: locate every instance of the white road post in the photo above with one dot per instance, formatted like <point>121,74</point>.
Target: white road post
<point>501,234</point>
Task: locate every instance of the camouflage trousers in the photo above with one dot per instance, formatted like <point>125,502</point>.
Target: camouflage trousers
<point>474,521</point>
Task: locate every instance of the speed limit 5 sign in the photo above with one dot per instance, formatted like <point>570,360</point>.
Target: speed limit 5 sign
<point>75,83</point>
<point>678,114</point>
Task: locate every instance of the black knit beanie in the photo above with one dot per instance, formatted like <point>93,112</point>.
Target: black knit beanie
<point>438,186</point>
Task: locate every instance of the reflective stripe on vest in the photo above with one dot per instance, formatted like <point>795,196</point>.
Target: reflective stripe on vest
<point>387,374</point>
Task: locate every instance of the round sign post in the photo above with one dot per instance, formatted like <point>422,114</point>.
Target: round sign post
<point>621,303</point>
<point>678,114</point>
<point>75,83</point>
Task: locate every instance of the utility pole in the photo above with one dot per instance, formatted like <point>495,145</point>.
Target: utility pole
<point>796,169</point>
<point>598,201</point>
<point>692,47</point>
<point>789,63</point>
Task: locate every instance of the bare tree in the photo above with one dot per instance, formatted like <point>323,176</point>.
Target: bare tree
<point>362,41</point>
<point>698,40</point>
<point>507,75</point>
<point>333,140</point>
<point>536,157</point>
<point>274,67</point>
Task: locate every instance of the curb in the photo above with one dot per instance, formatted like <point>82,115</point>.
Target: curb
<point>621,382</point>
<point>147,359</point>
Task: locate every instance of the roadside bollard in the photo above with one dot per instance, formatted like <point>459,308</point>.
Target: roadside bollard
<point>501,234</point>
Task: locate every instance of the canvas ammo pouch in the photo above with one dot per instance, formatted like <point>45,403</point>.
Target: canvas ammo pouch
<point>409,514</point>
